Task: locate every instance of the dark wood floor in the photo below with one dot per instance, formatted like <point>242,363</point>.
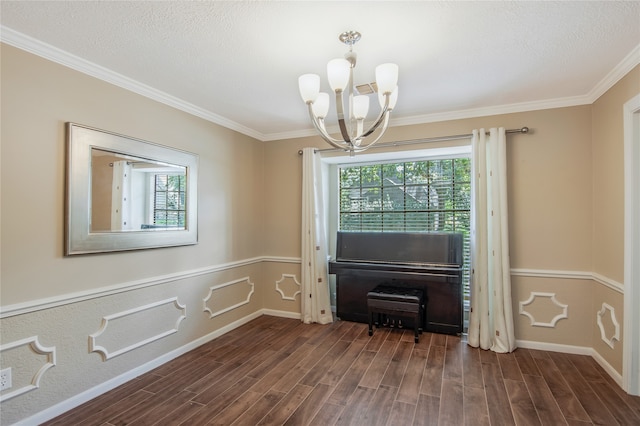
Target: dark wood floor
<point>279,371</point>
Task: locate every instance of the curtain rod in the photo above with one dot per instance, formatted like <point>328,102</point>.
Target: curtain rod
<point>417,141</point>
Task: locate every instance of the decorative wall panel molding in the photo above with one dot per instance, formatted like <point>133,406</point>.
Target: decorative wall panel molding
<point>225,291</point>
<point>613,325</point>
<point>289,283</point>
<point>32,344</point>
<point>154,315</point>
<point>552,299</point>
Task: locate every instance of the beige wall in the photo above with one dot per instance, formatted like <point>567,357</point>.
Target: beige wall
<point>608,176</point>
<point>608,208</point>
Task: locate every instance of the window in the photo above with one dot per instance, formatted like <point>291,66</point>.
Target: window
<point>411,196</point>
<point>169,196</point>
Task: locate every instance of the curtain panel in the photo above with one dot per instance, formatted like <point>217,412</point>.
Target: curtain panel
<point>121,196</point>
<point>315,301</point>
<point>491,318</point>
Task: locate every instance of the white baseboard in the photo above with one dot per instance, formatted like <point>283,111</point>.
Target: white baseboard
<point>282,314</point>
<point>617,377</point>
<point>98,390</point>
<point>554,347</point>
<point>569,349</point>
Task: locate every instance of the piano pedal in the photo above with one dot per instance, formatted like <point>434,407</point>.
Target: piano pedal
<point>393,323</point>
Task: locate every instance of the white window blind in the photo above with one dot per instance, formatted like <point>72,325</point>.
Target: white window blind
<point>410,196</point>
<point>169,207</point>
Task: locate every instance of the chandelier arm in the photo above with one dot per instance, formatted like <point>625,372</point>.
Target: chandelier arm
<point>340,111</point>
<point>376,124</point>
<point>337,143</point>
<point>361,148</point>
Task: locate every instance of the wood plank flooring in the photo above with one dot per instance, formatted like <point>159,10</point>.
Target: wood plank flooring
<point>276,371</point>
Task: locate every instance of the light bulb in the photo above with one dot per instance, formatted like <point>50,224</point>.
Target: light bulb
<point>338,73</point>
<point>360,106</point>
<point>321,105</point>
<point>309,85</point>
<point>393,98</point>
<point>386,77</point>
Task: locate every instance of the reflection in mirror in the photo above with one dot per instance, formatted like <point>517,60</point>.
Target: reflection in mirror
<point>136,194</point>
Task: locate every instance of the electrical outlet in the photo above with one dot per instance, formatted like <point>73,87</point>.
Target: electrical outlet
<point>5,379</point>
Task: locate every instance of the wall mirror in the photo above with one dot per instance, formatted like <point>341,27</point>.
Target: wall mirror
<point>127,194</point>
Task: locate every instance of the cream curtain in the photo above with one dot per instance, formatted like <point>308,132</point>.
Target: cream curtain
<point>491,319</point>
<point>121,196</point>
<point>315,302</point>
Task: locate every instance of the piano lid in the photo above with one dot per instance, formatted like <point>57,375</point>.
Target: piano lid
<point>400,247</point>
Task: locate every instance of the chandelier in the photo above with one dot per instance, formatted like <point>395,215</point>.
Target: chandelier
<point>340,76</point>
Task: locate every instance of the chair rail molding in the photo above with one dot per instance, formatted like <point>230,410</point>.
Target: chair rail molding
<point>569,275</point>
<point>66,299</point>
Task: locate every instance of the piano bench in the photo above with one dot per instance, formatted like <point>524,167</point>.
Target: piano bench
<point>396,301</point>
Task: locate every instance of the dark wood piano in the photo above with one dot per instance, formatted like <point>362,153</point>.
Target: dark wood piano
<point>425,260</point>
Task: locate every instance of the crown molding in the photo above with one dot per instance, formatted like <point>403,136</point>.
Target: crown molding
<point>47,51</point>
<point>627,64</point>
<point>59,56</point>
<point>492,110</point>
<point>294,134</point>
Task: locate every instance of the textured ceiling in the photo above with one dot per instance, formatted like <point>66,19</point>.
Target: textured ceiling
<point>237,62</point>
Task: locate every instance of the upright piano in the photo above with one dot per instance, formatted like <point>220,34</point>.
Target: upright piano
<point>428,261</point>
